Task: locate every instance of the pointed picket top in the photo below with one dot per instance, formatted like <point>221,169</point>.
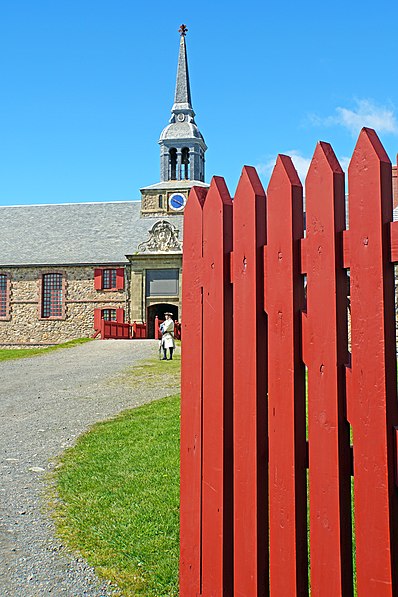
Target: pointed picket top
<point>368,145</point>
<point>217,193</point>
<point>370,176</point>
<point>284,167</point>
<point>324,157</point>
<point>196,199</point>
<point>249,182</point>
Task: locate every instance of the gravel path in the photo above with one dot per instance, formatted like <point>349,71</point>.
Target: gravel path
<point>46,402</point>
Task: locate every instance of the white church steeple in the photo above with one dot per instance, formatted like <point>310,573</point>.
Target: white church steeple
<point>182,147</point>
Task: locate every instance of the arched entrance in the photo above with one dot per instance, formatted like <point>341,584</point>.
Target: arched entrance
<point>159,309</point>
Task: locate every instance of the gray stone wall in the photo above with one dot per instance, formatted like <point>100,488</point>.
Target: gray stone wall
<point>150,202</point>
<point>25,327</point>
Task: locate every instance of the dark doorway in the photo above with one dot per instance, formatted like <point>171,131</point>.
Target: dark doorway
<point>159,310</point>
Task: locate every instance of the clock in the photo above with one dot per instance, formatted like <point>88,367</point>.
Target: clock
<point>181,117</point>
<point>177,201</point>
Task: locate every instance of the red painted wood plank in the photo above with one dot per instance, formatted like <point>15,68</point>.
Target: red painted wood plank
<point>326,356</point>
<point>284,291</point>
<point>98,279</point>
<point>372,399</point>
<point>250,390</point>
<point>120,278</point>
<point>191,401</point>
<point>217,522</point>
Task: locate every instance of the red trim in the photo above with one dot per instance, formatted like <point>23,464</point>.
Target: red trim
<point>97,319</point>
<point>120,315</point>
<point>120,278</point>
<point>98,279</point>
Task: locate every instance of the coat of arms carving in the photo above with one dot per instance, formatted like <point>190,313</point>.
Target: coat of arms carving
<point>163,237</point>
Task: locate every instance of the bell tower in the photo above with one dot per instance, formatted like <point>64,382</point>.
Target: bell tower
<point>182,149</point>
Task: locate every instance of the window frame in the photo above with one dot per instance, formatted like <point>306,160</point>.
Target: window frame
<point>7,316</point>
<point>159,294</point>
<point>99,279</point>
<point>41,297</point>
<point>108,310</point>
<point>98,311</point>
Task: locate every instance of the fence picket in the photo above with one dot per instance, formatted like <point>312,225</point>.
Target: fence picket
<point>284,296</point>
<point>250,402</point>
<point>326,355</point>
<point>217,392</point>
<point>191,403</point>
<point>372,399</point>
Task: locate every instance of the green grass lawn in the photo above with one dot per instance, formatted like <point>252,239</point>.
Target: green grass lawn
<point>7,354</point>
<point>117,492</point>
<point>117,489</point>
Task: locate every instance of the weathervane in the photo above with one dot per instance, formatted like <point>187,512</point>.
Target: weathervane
<point>183,30</point>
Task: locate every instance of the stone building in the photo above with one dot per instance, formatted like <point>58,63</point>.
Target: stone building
<point>65,267</point>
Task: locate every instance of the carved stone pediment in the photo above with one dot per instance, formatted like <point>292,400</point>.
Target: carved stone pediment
<point>163,238</point>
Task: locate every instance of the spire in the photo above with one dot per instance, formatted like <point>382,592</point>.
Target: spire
<point>182,147</point>
<point>182,98</point>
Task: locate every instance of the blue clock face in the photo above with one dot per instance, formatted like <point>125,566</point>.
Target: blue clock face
<point>177,201</point>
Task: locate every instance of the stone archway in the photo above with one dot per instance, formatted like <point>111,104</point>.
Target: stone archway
<point>159,310</point>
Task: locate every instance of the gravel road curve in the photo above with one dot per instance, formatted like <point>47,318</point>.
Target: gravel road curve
<point>46,402</point>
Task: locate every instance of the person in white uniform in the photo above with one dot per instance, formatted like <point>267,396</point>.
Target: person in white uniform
<point>167,330</point>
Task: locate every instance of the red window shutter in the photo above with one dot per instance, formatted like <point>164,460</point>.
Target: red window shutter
<point>120,278</point>
<point>120,315</point>
<point>97,319</point>
<point>98,279</point>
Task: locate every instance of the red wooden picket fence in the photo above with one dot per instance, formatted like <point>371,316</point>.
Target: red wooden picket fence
<point>261,356</point>
<point>115,330</point>
<point>139,330</point>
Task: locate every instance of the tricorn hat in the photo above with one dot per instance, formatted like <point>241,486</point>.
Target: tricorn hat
<point>168,313</point>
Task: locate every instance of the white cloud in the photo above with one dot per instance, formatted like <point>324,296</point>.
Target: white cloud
<point>366,113</point>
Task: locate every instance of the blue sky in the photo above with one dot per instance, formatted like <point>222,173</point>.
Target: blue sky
<point>87,87</point>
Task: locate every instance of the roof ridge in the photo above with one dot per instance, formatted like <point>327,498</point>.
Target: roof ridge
<point>70,203</point>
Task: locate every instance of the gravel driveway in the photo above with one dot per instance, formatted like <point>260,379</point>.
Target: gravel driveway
<point>46,402</point>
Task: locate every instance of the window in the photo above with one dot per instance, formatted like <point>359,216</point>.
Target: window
<point>162,282</point>
<point>109,314</point>
<point>52,296</point>
<point>109,278</point>
<point>4,295</point>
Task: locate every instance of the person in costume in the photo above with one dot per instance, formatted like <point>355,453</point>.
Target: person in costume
<point>167,330</point>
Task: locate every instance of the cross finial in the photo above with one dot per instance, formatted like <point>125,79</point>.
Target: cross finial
<point>183,30</point>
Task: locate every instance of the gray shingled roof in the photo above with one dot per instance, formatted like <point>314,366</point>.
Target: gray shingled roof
<point>74,233</point>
